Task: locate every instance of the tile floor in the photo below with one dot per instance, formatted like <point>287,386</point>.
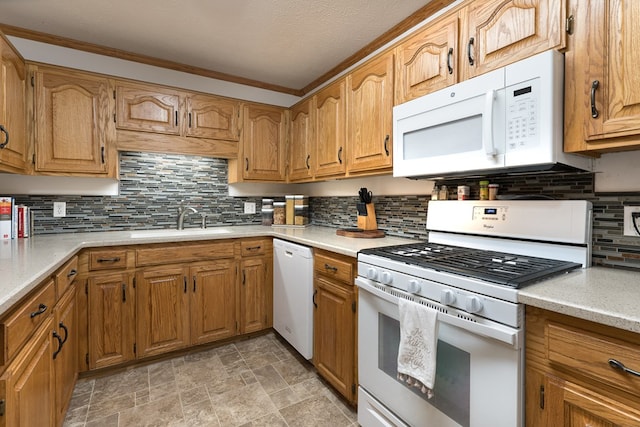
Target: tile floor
<point>255,382</point>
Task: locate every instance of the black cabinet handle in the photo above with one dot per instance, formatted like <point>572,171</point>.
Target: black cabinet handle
<point>246,163</point>
<point>41,309</point>
<point>244,277</point>
<point>176,120</point>
<point>185,284</point>
<point>308,157</point>
<point>315,292</point>
<point>450,60</point>
<point>6,137</point>
<point>386,145</point>
<point>72,273</point>
<point>615,364</point>
<point>189,119</point>
<point>124,292</point>
<point>114,259</point>
<point>340,155</point>
<point>469,47</point>
<point>331,267</point>
<point>253,248</point>
<point>66,332</point>
<point>194,283</point>
<point>102,154</point>
<point>594,110</point>
<point>60,344</point>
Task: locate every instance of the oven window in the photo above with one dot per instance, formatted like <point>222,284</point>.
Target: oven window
<point>453,366</point>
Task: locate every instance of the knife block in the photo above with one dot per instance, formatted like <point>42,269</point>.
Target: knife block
<point>368,221</point>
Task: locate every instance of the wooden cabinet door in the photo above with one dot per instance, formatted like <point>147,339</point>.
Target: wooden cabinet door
<point>13,154</point>
<point>148,109</point>
<point>428,60</point>
<point>71,122</point>
<point>330,130</point>
<point>66,355</point>
<point>162,318</point>
<point>370,119</point>
<point>301,162</point>
<point>213,301</point>
<point>334,335</point>
<point>111,319</point>
<point>253,294</point>
<point>27,386</point>
<point>500,32</point>
<point>212,117</point>
<point>263,145</point>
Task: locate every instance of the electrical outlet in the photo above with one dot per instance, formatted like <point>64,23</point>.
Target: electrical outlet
<point>249,207</point>
<point>629,230</point>
<point>59,209</point>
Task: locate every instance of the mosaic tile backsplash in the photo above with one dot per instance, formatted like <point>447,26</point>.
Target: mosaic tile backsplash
<point>153,185</point>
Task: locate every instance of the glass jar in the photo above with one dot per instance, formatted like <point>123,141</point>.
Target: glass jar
<point>267,216</point>
<point>279,213</point>
<point>484,190</point>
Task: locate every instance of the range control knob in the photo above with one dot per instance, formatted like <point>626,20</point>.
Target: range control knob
<point>473,305</point>
<point>414,286</point>
<point>447,297</point>
<point>372,273</point>
<point>386,278</point>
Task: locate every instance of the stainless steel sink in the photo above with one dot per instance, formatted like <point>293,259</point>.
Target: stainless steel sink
<point>141,234</point>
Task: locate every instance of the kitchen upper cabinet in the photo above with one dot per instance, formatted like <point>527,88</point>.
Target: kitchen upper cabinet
<point>27,387</point>
<point>111,317</point>
<point>72,123</point>
<point>496,33</point>
<point>330,130</point>
<point>602,84</point>
<point>261,156</point>
<point>213,301</point>
<point>161,119</point>
<point>162,315</point>
<point>370,119</point>
<point>428,60</point>
<point>13,122</point>
<point>570,378</point>
<point>301,143</point>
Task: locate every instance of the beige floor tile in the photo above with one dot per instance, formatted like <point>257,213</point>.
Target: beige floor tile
<point>103,407</point>
<point>269,420</point>
<point>159,413</point>
<point>242,405</point>
<point>270,379</point>
<point>294,371</point>
<point>224,385</point>
<point>317,411</point>
<point>108,421</point>
<point>201,414</point>
<point>195,395</point>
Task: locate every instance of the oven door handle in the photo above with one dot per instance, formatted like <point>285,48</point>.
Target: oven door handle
<point>497,331</point>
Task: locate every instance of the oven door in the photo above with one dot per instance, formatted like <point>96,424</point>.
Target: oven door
<point>479,368</point>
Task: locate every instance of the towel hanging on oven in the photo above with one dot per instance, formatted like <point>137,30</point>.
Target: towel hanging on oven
<point>418,345</point>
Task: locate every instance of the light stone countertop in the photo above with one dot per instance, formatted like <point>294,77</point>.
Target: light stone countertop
<point>25,263</point>
<point>604,295</point>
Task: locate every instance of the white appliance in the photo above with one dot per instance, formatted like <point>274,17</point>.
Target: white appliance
<point>506,121</point>
<point>293,295</point>
<point>478,254</point>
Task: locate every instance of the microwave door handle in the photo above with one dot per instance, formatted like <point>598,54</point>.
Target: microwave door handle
<point>487,124</point>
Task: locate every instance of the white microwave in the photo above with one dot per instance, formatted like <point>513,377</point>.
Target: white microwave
<point>506,121</point>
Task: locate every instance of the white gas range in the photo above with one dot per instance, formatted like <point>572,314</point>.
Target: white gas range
<point>478,254</point>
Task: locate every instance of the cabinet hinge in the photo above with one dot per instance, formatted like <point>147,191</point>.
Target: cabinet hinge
<point>135,349</point>
<point>2,407</point>
<point>568,25</point>
<point>353,306</point>
<point>86,358</point>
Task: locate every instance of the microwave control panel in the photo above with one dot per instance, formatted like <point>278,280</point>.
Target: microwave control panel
<point>522,115</point>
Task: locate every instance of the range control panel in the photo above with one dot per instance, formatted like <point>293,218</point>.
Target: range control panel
<point>489,213</point>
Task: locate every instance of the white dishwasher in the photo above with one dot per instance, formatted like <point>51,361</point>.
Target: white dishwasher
<point>293,295</point>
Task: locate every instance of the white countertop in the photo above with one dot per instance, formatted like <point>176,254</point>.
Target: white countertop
<point>25,263</point>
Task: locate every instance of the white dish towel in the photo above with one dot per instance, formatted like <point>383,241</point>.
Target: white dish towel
<point>418,345</point>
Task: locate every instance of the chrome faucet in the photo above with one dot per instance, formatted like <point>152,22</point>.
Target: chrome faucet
<point>182,212</point>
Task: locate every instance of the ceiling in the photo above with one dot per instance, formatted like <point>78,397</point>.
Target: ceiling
<point>288,44</point>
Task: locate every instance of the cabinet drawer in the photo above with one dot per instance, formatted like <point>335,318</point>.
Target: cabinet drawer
<point>338,268</point>
<point>107,259</point>
<point>587,353</point>
<point>18,326</point>
<point>66,275</point>
<point>254,247</point>
<point>171,254</point>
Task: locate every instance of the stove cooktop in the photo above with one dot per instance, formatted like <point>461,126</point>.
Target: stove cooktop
<point>497,267</point>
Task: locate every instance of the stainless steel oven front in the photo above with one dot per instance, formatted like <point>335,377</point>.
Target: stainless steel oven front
<point>479,368</point>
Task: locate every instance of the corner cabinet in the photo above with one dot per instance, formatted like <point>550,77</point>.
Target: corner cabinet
<point>13,121</point>
<point>261,155</point>
<point>602,92</point>
<point>370,119</point>
<point>334,321</point>
<point>73,127</point>
<point>570,379</point>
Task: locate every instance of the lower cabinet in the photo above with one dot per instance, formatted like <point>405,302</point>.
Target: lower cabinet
<point>569,378</point>
<point>65,355</point>
<point>256,285</point>
<point>27,387</point>
<point>334,322</point>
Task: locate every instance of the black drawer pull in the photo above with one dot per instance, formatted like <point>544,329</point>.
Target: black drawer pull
<point>41,309</point>
<point>615,364</point>
<point>253,248</point>
<point>114,259</point>
<point>72,273</point>
<point>330,267</point>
